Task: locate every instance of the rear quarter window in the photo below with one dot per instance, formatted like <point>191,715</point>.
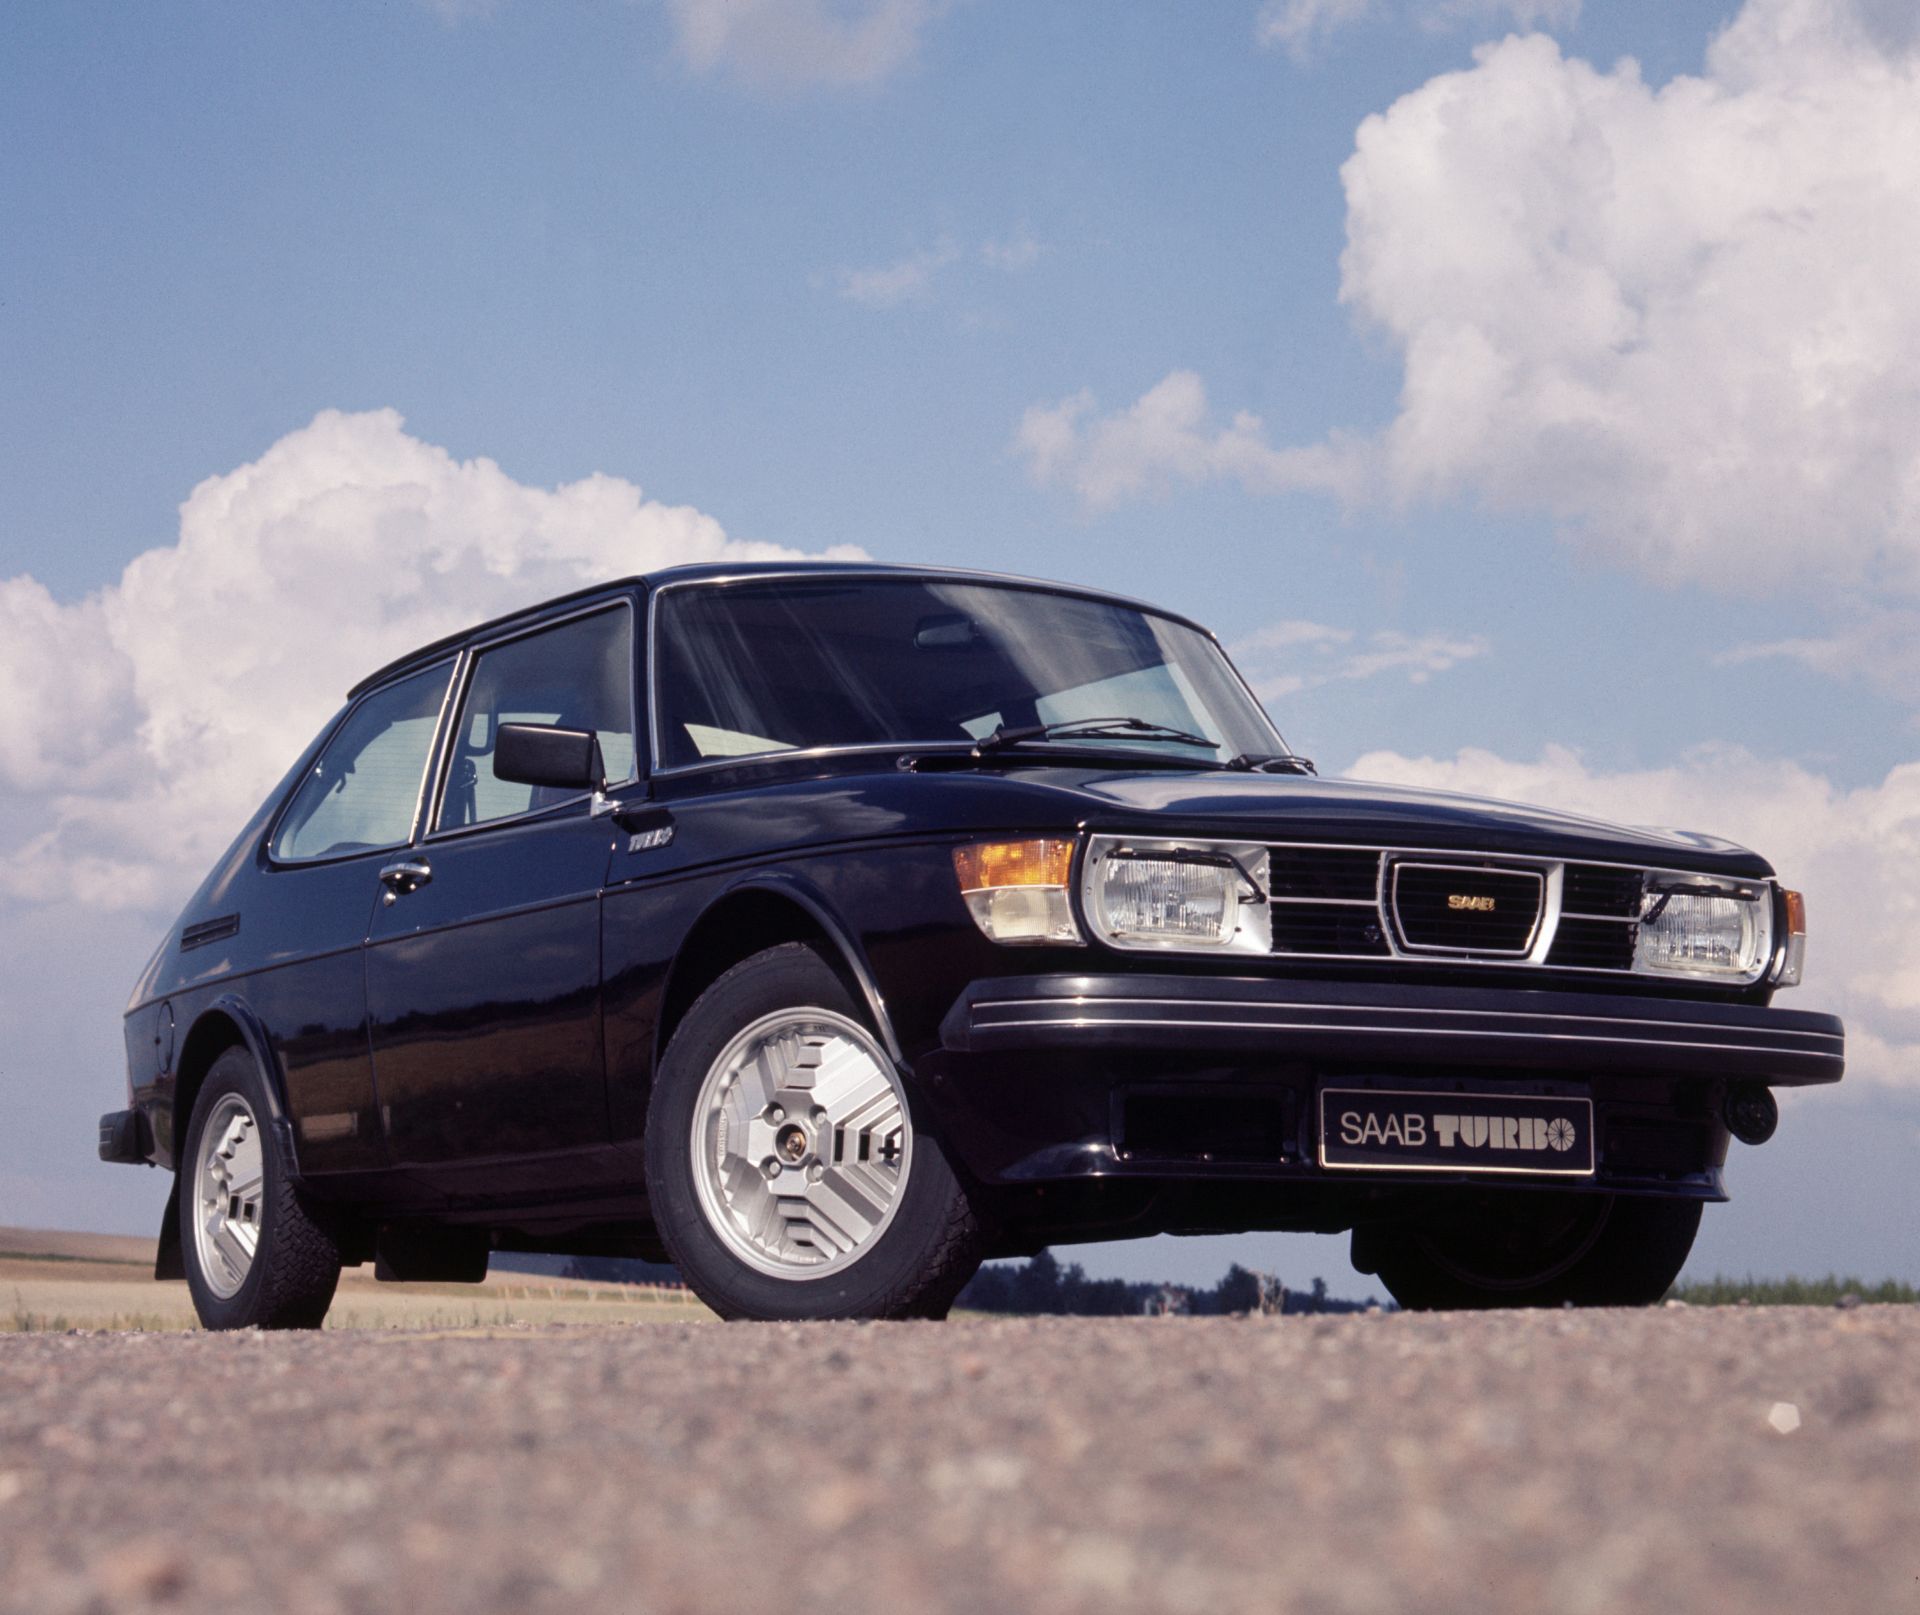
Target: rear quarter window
<point>363,791</point>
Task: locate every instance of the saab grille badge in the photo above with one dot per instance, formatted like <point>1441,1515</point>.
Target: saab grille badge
<point>1477,905</point>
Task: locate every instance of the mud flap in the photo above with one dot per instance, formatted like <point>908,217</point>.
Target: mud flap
<point>167,1260</point>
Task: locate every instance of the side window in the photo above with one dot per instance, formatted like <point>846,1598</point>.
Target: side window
<point>576,676</point>
<point>365,786</point>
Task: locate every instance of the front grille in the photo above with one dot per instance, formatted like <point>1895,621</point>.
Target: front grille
<point>1582,944</point>
<point>1326,900</point>
<point>1601,889</point>
<point>1329,874</point>
<point>1460,908</point>
<point>1340,902</point>
<point>1322,928</point>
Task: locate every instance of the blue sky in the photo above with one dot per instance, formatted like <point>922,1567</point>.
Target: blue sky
<point>814,273</point>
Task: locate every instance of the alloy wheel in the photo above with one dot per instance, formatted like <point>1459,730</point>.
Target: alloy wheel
<point>802,1143</point>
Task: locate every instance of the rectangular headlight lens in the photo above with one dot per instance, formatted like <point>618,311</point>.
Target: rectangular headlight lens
<point>1016,891</point>
<point>1712,932</point>
<point>1210,897</point>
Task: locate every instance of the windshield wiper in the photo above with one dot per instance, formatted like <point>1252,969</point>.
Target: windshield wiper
<point>1286,762</point>
<point>1092,729</point>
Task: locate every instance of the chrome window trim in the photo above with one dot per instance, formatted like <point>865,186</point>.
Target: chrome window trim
<point>984,580</point>
<point>470,658</point>
<point>452,662</point>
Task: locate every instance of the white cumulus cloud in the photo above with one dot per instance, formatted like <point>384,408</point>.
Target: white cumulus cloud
<point>1166,438</point>
<point>139,726</point>
<point>1300,26</point>
<point>1288,657</point>
<point>906,280</point>
<point>1837,844</point>
<point>1682,320</point>
<point>793,43</point>
<point>915,276</point>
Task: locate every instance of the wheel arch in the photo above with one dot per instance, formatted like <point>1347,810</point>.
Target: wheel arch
<point>760,912</point>
<point>226,1023</point>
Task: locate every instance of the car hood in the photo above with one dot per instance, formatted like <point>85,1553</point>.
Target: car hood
<point>1279,807</point>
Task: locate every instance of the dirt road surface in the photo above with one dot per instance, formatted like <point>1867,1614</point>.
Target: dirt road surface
<point>1684,1459</point>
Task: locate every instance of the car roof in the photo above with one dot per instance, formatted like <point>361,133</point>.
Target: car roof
<point>730,571</point>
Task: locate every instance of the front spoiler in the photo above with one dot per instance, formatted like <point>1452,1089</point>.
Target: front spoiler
<point>1399,1027</point>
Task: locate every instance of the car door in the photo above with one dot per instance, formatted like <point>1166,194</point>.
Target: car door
<point>483,964</point>
<point>357,806</point>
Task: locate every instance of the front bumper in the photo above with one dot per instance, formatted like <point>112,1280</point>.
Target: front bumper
<point>1054,1077</point>
<point>1396,1026</point>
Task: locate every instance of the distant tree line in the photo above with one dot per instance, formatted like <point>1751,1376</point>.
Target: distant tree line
<point>1721,1291</point>
<point>1042,1285</point>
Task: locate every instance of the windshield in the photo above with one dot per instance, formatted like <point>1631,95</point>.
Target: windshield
<point>754,667</point>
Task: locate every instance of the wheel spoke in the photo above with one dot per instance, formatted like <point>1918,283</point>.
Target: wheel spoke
<point>229,1181</point>
<point>802,1143</point>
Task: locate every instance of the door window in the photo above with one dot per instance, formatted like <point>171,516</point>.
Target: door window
<point>362,792</point>
<point>576,676</point>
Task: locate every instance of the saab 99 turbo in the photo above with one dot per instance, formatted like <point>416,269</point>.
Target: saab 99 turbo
<point>827,929</point>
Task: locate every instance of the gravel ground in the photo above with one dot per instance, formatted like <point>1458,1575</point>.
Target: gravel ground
<point>1685,1459</point>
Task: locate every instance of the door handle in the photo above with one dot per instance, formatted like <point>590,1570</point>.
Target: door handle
<point>408,875</point>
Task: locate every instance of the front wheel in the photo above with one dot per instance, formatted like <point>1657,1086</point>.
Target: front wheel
<point>258,1255</point>
<point>789,1170</point>
<point>1532,1250</point>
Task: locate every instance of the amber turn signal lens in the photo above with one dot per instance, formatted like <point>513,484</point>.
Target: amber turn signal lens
<point>1796,913</point>
<point>991,864</point>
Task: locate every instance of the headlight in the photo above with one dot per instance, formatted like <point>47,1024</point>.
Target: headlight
<point>1208,896</point>
<point>1709,930</point>
<point>1017,890</point>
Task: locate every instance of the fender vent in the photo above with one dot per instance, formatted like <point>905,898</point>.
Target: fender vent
<point>205,931</point>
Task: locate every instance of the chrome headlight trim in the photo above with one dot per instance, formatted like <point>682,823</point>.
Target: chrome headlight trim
<point>1246,925</point>
<point>1674,903</point>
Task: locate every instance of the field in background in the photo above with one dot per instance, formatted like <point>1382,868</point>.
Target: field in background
<point>1720,1291</point>
<point>57,1281</point>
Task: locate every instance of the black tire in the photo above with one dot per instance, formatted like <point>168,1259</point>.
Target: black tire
<point>296,1263</point>
<point>1533,1250</point>
<point>914,1265</point>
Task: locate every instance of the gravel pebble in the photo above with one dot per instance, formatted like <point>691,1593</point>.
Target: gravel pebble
<point>1702,1459</point>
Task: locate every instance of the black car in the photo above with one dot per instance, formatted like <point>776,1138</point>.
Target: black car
<point>826,929</point>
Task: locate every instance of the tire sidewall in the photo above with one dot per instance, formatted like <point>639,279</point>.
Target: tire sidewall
<point>1632,1259</point>
<point>882,1280</point>
<point>233,1073</point>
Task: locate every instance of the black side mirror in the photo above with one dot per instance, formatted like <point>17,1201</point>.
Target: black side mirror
<point>538,754</point>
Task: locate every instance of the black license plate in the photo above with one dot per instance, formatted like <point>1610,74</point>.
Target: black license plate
<point>1384,1129</point>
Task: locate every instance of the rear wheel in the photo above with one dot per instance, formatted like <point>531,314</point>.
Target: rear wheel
<point>257,1253</point>
<point>1533,1250</point>
<point>789,1169</point>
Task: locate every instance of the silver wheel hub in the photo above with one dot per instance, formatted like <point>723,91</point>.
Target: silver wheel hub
<point>229,1182</point>
<point>801,1143</point>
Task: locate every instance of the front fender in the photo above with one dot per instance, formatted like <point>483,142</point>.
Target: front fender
<point>804,894</point>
